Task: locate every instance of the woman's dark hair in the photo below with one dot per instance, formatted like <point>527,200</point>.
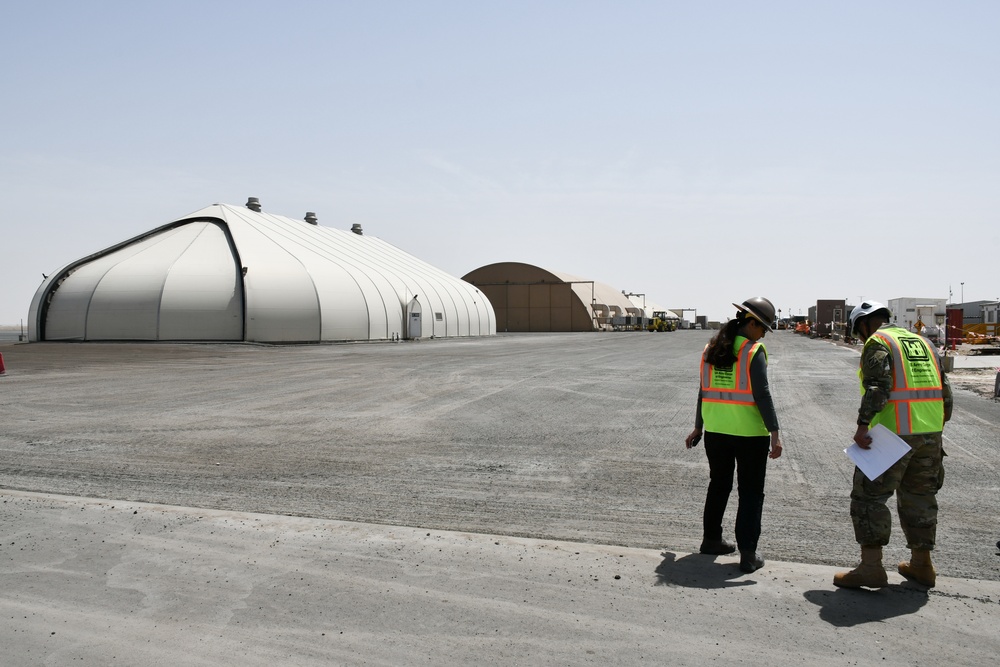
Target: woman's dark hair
<point>720,350</point>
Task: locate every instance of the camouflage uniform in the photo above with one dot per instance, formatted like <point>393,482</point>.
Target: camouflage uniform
<point>915,478</point>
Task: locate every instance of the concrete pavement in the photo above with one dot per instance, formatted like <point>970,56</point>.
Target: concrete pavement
<point>974,361</point>
<point>520,464</point>
<point>101,582</point>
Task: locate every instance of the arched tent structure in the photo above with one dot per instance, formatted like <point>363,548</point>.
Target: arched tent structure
<point>229,273</point>
<point>530,298</point>
<point>650,309</point>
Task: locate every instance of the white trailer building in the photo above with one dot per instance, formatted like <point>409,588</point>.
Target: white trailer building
<point>920,315</point>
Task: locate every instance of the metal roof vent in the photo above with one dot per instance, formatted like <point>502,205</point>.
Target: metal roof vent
<point>356,228</point>
<point>253,204</point>
<point>311,218</point>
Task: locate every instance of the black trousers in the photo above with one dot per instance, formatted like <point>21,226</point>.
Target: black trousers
<point>747,456</point>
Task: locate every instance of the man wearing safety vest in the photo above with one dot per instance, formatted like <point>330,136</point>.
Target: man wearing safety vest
<point>903,389</point>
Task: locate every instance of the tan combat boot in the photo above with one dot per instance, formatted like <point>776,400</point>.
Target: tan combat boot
<point>869,574</point>
<point>919,568</point>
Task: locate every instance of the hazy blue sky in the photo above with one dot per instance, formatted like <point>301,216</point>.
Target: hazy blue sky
<point>697,152</point>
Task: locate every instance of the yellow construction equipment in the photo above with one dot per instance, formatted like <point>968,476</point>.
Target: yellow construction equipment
<point>660,322</point>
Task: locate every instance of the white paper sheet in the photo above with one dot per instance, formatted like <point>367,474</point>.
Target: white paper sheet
<point>886,449</point>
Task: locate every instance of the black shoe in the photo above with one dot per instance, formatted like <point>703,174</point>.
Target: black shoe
<point>717,547</point>
<point>750,562</point>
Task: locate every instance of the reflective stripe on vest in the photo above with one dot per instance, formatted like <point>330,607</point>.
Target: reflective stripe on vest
<point>916,401</point>
<point>727,404</point>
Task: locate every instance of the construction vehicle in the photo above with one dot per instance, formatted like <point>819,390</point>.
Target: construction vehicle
<point>660,322</point>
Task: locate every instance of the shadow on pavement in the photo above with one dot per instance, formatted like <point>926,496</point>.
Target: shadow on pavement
<point>845,607</point>
<point>698,571</point>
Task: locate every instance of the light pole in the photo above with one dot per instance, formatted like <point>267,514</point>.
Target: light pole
<point>963,292</point>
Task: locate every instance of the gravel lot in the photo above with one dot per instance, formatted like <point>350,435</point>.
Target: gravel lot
<point>559,436</point>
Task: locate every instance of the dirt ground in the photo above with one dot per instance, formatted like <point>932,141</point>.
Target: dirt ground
<point>981,381</point>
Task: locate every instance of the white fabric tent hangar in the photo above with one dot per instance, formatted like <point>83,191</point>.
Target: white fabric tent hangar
<point>232,273</point>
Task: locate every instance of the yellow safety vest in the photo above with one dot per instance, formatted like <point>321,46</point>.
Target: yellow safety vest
<point>727,404</point>
<point>916,402</point>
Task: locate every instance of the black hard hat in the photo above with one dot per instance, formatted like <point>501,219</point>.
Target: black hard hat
<point>760,309</point>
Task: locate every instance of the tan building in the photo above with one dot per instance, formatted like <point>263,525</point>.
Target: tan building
<point>530,298</point>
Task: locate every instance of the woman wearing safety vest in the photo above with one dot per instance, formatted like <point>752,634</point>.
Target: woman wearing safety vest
<point>737,415</point>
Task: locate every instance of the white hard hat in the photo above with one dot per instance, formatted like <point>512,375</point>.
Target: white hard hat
<point>864,310</point>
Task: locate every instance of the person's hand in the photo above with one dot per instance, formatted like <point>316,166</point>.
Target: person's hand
<point>775,446</point>
<point>693,438</point>
<point>862,438</point>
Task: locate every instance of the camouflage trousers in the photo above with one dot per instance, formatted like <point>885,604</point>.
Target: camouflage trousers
<point>915,479</point>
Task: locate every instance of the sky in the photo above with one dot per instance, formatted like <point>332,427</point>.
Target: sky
<point>698,153</point>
